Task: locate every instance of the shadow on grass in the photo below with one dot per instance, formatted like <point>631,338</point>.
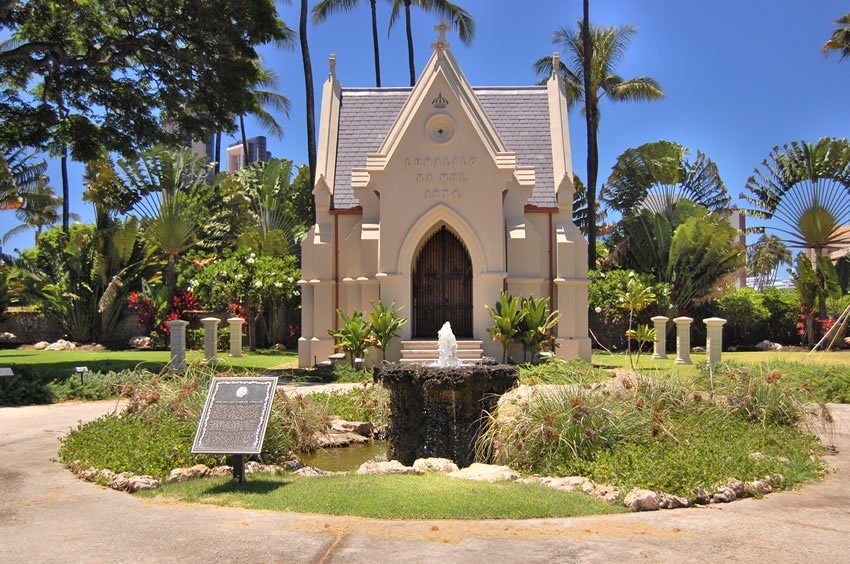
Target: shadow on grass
<point>249,487</point>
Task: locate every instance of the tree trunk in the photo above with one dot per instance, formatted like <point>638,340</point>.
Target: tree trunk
<point>308,85</point>
<point>409,42</point>
<point>592,121</point>
<point>66,192</point>
<point>171,280</point>
<point>246,159</point>
<point>217,152</point>
<point>375,44</point>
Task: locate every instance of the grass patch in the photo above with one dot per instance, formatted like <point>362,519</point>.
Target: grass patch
<point>819,382</point>
<point>431,496</point>
<point>41,376</point>
<point>557,371</point>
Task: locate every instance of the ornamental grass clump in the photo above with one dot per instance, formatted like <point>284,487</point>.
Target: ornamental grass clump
<point>655,434</point>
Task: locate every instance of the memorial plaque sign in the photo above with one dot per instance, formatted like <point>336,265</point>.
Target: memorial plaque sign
<point>235,416</point>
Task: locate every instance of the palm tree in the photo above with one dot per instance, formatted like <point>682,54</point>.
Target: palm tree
<point>40,210</point>
<point>803,189</point>
<point>840,40</point>
<point>326,8</point>
<point>460,20</point>
<point>162,178</point>
<point>265,97</point>
<point>607,47</point>
<point>310,93</point>
<point>20,174</point>
<point>764,259</point>
<point>657,175</point>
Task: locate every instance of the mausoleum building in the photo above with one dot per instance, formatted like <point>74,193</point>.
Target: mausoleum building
<point>437,198</point>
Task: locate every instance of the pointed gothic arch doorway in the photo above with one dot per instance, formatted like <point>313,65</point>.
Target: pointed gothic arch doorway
<point>442,286</point>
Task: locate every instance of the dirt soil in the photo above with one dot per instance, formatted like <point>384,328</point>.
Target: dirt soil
<point>48,515</point>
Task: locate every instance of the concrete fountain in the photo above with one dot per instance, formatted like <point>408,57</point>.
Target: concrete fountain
<point>439,410</point>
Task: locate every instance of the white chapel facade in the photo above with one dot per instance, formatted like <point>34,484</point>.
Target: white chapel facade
<point>437,198</point>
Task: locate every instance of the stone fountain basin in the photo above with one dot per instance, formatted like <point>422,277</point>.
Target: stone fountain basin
<point>441,411</point>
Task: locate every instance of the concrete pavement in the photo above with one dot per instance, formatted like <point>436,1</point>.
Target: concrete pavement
<point>47,515</point>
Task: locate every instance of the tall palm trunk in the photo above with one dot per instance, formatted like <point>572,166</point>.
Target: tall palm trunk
<point>171,279</point>
<point>245,156</point>
<point>409,42</point>
<point>217,152</point>
<point>592,120</point>
<point>308,85</point>
<point>66,192</point>
<point>375,44</point>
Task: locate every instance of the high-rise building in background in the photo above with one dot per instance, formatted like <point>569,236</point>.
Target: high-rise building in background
<point>206,148</point>
<point>256,152</point>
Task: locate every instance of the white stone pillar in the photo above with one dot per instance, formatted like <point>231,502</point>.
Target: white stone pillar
<point>714,338</point>
<point>660,323</point>
<point>177,333</point>
<point>236,336</point>
<point>210,338</point>
<point>683,340</point>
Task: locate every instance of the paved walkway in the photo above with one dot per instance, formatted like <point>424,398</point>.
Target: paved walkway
<point>47,515</point>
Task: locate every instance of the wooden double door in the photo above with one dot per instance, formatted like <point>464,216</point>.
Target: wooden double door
<point>442,287</point>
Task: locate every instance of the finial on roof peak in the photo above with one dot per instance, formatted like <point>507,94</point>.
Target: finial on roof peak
<point>332,65</point>
<point>441,44</point>
<point>556,64</point>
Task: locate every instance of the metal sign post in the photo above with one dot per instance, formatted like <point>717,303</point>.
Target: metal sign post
<point>234,419</point>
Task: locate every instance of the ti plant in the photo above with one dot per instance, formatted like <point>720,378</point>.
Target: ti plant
<point>643,334</point>
<point>355,335</point>
<point>635,298</point>
<point>537,324</point>
<point>385,323</point>
<point>507,319</point>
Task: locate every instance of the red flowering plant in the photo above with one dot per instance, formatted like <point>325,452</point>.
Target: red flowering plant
<point>181,302</point>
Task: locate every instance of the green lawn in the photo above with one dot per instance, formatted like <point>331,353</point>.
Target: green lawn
<point>388,497</point>
<point>620,360</point>
<point>57,363</point>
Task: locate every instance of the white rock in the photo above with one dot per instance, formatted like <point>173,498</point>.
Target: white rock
<point>698,349</point>
<point>485,473</point>
<point>768,346</point>
<point>137,483</point>
<point>335,440</point>
<point>254,467</point>
<point>104,475</point>
<point>641,500</point>
<point>220,471</point>
<point>40,346</point>
<point>757,488</point>
<point>311,472</point>
<point>443,465</point>
<point>140,342</point>
<point>184,474</point>
<point>758,456</point>
<point>723,495</point>
<point>668,501</point>
<point>61,345</point>
<point>121,481</point>
<point>7,338</point>
<point>382,468</point>
<point>356,427</point>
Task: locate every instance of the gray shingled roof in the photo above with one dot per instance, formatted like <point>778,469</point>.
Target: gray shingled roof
<point>520,115</point>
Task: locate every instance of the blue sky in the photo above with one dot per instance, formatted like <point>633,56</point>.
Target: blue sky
<point>740,76</point>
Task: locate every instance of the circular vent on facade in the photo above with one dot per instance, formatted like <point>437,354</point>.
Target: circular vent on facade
<point>440,128</point>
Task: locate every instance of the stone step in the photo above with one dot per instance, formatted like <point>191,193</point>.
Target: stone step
<point>420,345</point>
<point>431,354</point>
<point>430,360</point>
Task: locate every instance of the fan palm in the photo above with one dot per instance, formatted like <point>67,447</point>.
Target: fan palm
<point>764,259</point>
<point>460,20</point>
<point>657,175</point>
<point>326,8</point>
<point>162,178</point>
<point>608,46</point>
<point>803,190</point>
<point>840,40</point>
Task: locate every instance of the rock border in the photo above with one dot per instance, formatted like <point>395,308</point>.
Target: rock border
<point>637,499</point>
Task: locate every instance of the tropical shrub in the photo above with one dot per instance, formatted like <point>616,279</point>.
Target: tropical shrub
<point>746,315</point>
<point>384,323</point>
<point>255,283</point>
<point>354,336</point>
<point>507,321</point>
<point>536,326</point>
<point>609,321</point>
